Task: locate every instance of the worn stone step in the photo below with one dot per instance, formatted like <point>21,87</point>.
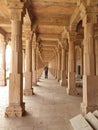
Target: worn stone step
<point>96,113</point>
<point>92,120</point>
<point>79,123</point>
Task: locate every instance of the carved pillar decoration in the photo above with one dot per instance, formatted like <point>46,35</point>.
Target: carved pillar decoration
<point>63,67</point>
<point>59,65</point>
<point>71,90</point>
<point>28,90</point>
<point>90,80</point>
<point>2,61</point>
<point>16,106</point>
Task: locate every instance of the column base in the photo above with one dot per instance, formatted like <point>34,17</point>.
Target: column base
<point>58,75</point>
<point>15,110</point>
<point>72,91</point>
<point>3,83</point>
<point>34,84</point>
<point>28,92</point>
<point>63,83</point>
<point>85,109</point>
<point>90,83</point>
<point>34,78</point>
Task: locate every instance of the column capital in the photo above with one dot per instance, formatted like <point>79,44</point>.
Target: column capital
<point>71,36</point>
<point>16,9</point>
<point>89,18</point>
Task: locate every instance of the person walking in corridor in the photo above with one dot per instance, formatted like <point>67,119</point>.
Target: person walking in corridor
<point>46,71</point>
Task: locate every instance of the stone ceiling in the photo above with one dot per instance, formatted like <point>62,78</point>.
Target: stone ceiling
<point>48,16</point>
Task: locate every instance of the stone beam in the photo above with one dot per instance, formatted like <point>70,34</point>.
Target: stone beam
<point>49,36</point>
<point>51,42</point>
<point>60,21</point>
<point>75,18</point>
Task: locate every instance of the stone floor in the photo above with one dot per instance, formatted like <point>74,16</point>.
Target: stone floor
<point>49,109</point>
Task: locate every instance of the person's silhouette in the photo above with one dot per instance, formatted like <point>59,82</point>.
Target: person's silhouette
<point>46,71</point>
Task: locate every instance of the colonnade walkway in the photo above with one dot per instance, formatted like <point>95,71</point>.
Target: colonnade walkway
<point>50,108</point>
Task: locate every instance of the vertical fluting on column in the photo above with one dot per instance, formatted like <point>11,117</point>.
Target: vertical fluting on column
<point>90,80</point>
<point>28,90</point>
<point>71,90</point>
<point>16,106</point>
<point>63,67</point>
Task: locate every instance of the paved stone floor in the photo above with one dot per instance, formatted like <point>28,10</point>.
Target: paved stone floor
<point>49,109</point>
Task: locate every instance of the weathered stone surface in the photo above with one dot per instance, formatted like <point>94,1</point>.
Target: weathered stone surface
<point>79,123</point>
<point>15,110</point>
<point>71,90</point>
<point>28,84</point>
<point>92,120</point>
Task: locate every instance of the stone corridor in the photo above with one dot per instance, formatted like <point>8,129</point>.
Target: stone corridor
<point>50,108</point>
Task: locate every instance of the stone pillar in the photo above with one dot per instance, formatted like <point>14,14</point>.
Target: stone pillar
<point>59,65</point>
<point>63,67</point>
<point>37,63</point>
<point>34,77</point>
<point>71,90</point>
<point>16,106</point>
<point>28,73</point>
<point>96,53</point>
<point>90,80</point>
<point>23,53</point>
<point>2,62</point>
<point>55,66</point>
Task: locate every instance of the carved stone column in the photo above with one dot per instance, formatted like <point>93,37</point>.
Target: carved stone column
<point>34,77</point>
<point>16,107</point>
<point>23,53</point>
<point>28,73</point>
<point>71,68</point>
<point>96,53</point>
<point>37,63</point>
<point>63,67</point>
<point>56,62</point>
<point>90,80</point>
<point>2,61</point>
<point>34,73</point>
<point>59,65</point>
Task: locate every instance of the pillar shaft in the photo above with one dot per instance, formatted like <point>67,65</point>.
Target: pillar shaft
<point>28,72</point>
<point>16,106</point>
<point>34,73</point>
<point>59,66</point>
<point>63,68</point>
<point>71,69</point>
<point>90,80</point>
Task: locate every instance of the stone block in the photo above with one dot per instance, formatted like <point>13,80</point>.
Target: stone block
<point>92,120</point>
<point>79,123</point>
